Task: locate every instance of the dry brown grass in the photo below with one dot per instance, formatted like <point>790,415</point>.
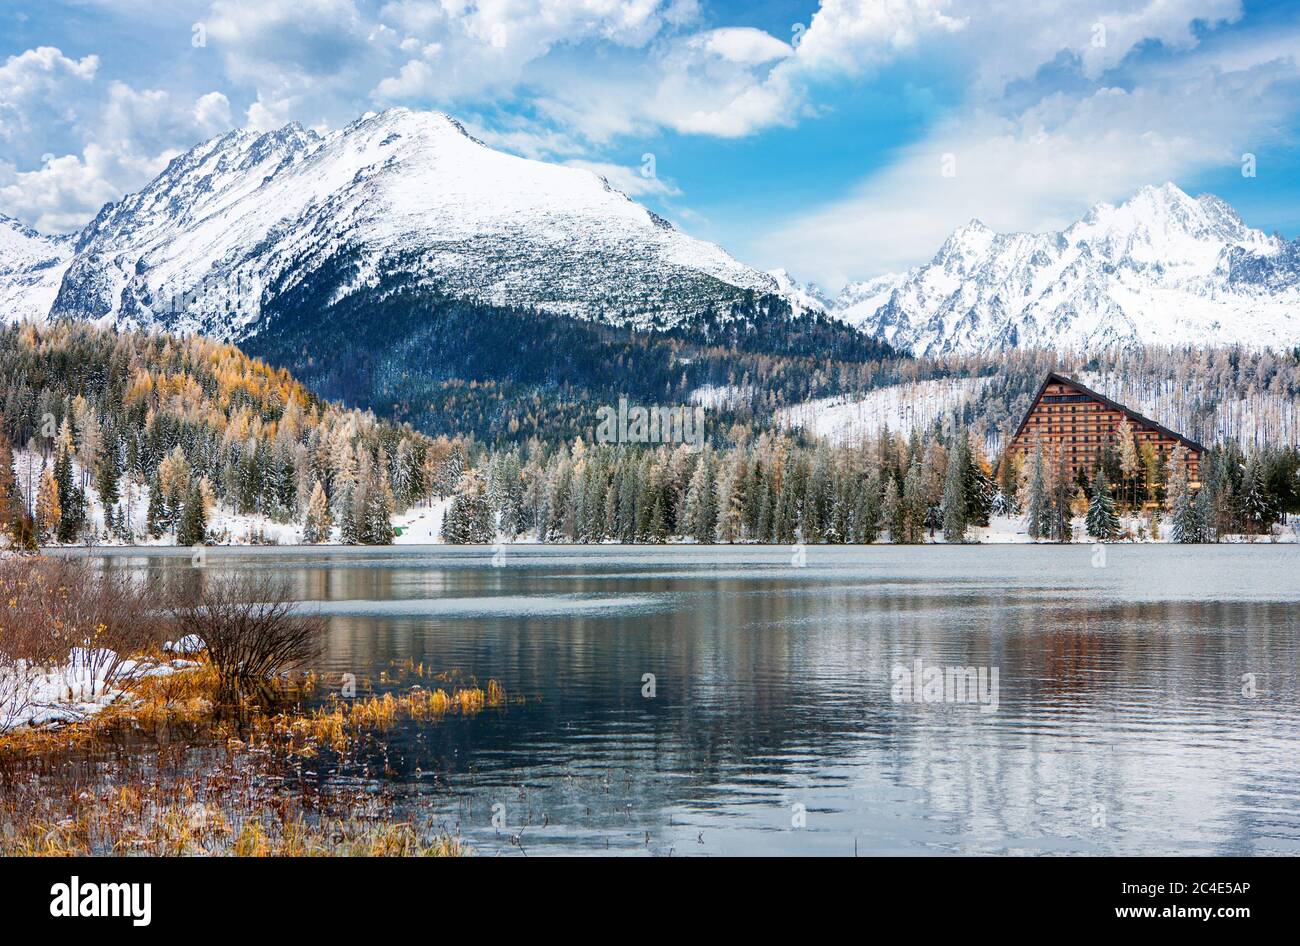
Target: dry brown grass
<point>237,801</point>
<point>56,800</point>
<point>180,764</point>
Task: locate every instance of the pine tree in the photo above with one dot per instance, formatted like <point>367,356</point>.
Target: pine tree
<point>955,512</point>
<point>1061,515</point>
<point>469,517</point>
<point>1103,522</point>
<point>156,519</point>
<point>192,529</point>
<point>1038,502</point>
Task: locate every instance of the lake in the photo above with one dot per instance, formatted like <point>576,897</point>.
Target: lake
<point>1144,704</point>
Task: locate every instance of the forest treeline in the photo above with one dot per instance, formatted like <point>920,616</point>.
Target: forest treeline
<point>132,436</point>
<point>157,430</point>
<point>764,487</point>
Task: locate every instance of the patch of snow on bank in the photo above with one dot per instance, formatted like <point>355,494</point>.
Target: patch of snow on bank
<point>88,681</point>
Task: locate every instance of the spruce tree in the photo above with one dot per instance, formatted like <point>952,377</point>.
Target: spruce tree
<point>914,503</point>
<point>106,479</point>
<point>156,519</point>
<point>349,528</point>
<point>1038,502</point>
<point>469,518</point>
<point>379,513</point>
<point>701,504</point>
<point>892,511</point>
<point>1005,502</point>
<point>192,529</point>
<point>1061,515</point>
<point>955,511</point>
<point>1103,522</point>
<point>1257,509</point>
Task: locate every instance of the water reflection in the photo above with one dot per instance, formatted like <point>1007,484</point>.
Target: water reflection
<point>1123,726</point>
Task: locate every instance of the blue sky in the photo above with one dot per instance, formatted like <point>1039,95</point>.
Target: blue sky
<point>809,135</point>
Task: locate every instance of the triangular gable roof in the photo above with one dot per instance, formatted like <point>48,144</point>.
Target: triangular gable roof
<point>1053,377</point>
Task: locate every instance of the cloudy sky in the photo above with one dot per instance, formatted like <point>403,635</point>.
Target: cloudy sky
<point>839,139</point>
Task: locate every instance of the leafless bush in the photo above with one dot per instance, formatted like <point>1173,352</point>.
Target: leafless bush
<point>251,629</point>
<point>17,691</point>
<point>68,625</point>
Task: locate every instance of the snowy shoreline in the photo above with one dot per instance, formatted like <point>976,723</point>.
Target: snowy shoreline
<point>83,685</point>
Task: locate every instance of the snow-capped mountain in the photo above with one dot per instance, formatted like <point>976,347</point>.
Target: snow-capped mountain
<point>803,297</point>
<point>243,218</point>
<point>1161,268</point>
<point>31,268</point>
<point>858,301</point>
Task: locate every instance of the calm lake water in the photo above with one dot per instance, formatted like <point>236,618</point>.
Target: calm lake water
<point>1148,706</point>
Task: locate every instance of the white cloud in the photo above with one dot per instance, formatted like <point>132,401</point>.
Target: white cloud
<point>74,143</point>
<point>735,82</point>
<point>852,35</point>
<point>41,94</point>
<point>475,48</point>
<point>742,44</point>
<point>1036,170</point>
<point>58,196</point>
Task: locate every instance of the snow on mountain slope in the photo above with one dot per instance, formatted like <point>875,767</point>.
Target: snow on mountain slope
<point>1162,268</point>
<point>803,297</point>
<point>31,267</point>
<point>245,216</point>
<point>900,407</point>
<point>858,301</point>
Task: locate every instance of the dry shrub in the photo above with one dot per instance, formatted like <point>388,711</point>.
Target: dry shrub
<point>251,630</point>
<point>68,614</point>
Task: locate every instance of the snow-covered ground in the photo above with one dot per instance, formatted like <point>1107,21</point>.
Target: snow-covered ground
<point>86,683</point>
<point>419,525</point>
<point>715,397</point>
<point>1007,529</point>
<point>847,420</point>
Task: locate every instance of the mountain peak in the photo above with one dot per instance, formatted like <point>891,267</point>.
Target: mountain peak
<point>402,195</point>
<point>402,120</point>
<point>1162,267</point>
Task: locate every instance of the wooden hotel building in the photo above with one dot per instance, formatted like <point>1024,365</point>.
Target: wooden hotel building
<point>1066,416</point>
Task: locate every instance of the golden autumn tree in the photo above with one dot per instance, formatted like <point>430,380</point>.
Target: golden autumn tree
<point>48,511</point>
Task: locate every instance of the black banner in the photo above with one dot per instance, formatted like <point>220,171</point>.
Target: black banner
<point>139,897</point>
